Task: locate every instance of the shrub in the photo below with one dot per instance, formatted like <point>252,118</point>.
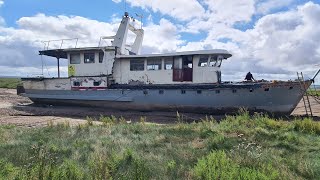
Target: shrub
<point>172,168</point>
<point>276,125</point>
<point>217,165</point>
<point>130,167</point>
<point>108,121</point>
<point>69,170</point>
<point>307,126</point>
<point>89,121</point>
<point>7,170</point>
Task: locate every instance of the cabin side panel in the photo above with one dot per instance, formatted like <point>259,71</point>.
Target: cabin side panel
<point>205,72</point>
<point>47,84</point>
<point>124,75</point>
<point>141,71</point>
<point>90,63</point>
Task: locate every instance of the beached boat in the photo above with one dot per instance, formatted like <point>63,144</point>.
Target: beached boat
<point>118,76</point>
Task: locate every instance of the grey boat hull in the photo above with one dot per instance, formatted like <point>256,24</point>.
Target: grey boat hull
<point>279,98</point>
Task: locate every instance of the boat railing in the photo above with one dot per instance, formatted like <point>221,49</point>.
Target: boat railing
<point>104,38</point>
<point>59,43</point>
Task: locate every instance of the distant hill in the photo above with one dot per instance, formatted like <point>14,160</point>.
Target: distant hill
<point>9,77</point>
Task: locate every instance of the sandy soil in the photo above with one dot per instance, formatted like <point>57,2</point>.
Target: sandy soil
<point>20,111</point>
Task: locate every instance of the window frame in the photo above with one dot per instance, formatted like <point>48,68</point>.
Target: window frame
<point>101,58</point>
<point>152,62</point>
<point>72,54</point>
<point>91,61</point>
<point>165,60</point>
<point>137,63</point>
<point>213,59</point>
<point>220,58</point>
<point>202,58</point>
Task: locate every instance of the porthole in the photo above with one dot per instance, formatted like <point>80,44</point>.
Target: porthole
<point>217,91</point>
<point>251,90</point>
<point>290,87</point>
<point>161,91</point>
<point>234,91</point>
<point>76,83</point>
<point>183,91</point>
<point>199,91</point>
<point>266,89</point>
<point>96,83</point>
<point>145,92</point>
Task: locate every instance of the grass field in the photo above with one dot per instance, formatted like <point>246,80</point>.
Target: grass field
<point>239,147</point>
<point>313,92</point>
<point>10,83</point>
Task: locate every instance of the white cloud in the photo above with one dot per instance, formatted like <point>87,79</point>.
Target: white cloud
<point>117,1</point>
<point>277,46</point>
<point>222,13</point>
<point>231,11</point>
<point>2,21</point>
<point>19,46</point>
<point>288,39</point>
<point>179,9</point>
<point>269,5</point>
<point>162,37</point>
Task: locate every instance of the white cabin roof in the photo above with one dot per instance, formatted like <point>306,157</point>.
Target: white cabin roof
<point>222,52</point>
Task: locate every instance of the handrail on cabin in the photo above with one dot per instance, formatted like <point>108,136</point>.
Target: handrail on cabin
<point>47,43</point>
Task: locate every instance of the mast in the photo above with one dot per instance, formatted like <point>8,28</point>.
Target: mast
<point>120,38</point>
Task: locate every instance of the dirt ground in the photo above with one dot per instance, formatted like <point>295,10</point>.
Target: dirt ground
<point>20,111</point>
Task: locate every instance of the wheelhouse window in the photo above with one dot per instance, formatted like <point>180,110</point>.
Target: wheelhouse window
<point>154,64</point>
<point>219,61</point>
<point>101,55</point>
<point>187,61</point>
<point>88,57</point>
<point>168,63</point>
<point>213,61</point>
<point>203,61</point>
<point>75,58</point>
<point>137,65</point>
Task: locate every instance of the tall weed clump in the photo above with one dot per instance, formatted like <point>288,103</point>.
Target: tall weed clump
<point>307,125</point>
<point>240,122</point>
<point>217,165</point>
<point>129,166</point>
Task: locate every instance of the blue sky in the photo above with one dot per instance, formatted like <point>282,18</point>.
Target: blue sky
<point>103,10</point>
<point>268,37</point>
<point>100,10</point>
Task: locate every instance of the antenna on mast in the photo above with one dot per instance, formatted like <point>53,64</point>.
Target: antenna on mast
<point>141,17</point>
<point>125,6</point>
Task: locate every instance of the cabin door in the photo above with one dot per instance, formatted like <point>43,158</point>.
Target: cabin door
<point>187,68</point>
<point>183,68</point>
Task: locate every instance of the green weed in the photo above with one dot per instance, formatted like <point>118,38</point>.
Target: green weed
<point>307,125</point>
<point>239,147</point>
<point>10,83</point>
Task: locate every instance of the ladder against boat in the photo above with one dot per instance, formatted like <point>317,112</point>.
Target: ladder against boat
<point>305,96</point>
